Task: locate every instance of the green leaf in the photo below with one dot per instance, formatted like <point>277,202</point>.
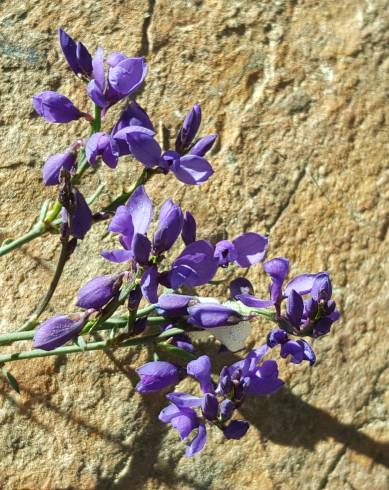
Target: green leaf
<point>170,333</point>
<point>11,380</point>
<point>175,351</point>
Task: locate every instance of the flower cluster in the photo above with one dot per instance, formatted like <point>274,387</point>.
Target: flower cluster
<point>161,257</point>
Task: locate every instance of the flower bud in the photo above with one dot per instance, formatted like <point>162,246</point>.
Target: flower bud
<point>209,315</point>
<point>322,288</point>
<point>55,107</point>
<point>188,232</point>
<point>56,331</point>
<point>226,409</point>
<point>189,128</point>
<point>170,225</point>
<point>210,406</point>
<point>54,164</point>
<point>236,429</point>
<point>156,375</point>
<point>203,145</point>
<point>97,292</point>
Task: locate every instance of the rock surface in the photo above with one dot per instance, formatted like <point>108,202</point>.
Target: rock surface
<point>297,91</point>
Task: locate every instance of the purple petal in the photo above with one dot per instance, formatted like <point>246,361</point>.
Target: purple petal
<point>97,94</point>
<point>236,429</point>
<point>203,145</point>
<point>295,308</point>
<point>156,375</point>
<point>198,442</point>
<point>84,60</point>
<point>185,423</point>
<point>253,302</point>
<point>98,69</point>
<point>170,225</point>
<point>210,315</point>
<point>149,284</point>
<point>200,369</point>
<point>69,50</point>
<point>226,409</point>
<point>82,218</point>
<point>56,331</point>
<point>97,292</point>
<point>188,232</point>
<point>277,268</point>
<point>210,406</point>
<point>225,253</point>
<point>127,76</point>
<point>117,255</point>
<point>322,287</point>
<point>55,107</point>
<point>240,286</point>
<point>54,164</point>
<point>141,143</point>
<point>172,305</point>
<point>276,337</point>
<point>122,222</point>
<point>184,400</point>
<point>250,248</point>
<point>133,115</point>
<point>193,170</point>
<point>115,58</point>
<point>168,413</point>
<point>189,128</point>
<point>141,247</point>
<point>141,210</point>
<point>302,284</point>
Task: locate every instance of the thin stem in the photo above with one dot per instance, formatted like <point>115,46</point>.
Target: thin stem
<point>35,232</point>
<point>63,258</point>
<point>122,198</point>
<point>71,349</point>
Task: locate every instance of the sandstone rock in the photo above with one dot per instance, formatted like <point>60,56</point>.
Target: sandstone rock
<point>297,92</point>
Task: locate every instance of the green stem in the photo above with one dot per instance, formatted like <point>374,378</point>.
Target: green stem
<point>71,349</point>
<point>35,232</point>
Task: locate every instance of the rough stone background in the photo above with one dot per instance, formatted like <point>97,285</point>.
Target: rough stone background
<point>297,91</point>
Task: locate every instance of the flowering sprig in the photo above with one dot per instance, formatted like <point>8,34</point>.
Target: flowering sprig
<point>150,298</point>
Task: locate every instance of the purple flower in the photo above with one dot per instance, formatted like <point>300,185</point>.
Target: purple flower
<point>189,128</point>
<point>210,406</point>
<point>76,54</point>
<point>81,217</point>
<point>55,107</point>
<point>322,288</point>
<point>133,115</point>
<point>195,266</point>
<point>129,220</point>
<point>245,250</point>
<point>102,144</point>
<point>141,144</point>
<point>98,291</point>
<point>55,163</point>
<point>156,375</point>
<point>203,145</point>
<point>200,369</point>
<point>185,420</point>
<point>56,331</point>
<point>299,349</point>
<point>210,315</point>
<point>239,286</point>
<point>188,232</point>
<point>236,429</point>
<point>149,284</point>
<point>173,305</point>
<point>295,308</point>
<point>125,76</point>
<point>170,225</point>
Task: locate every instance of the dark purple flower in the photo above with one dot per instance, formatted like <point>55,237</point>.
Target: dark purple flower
<point>189,128</point>
<point>203,145</point>
<point>247,249</point>
<point>81,218</point>
<point>55,163</point>
<point>210,315</point>
<point>195,266</point>
<point>170,225</point>
<point>76,54</point>
<point>141,247</point>
<point>98,291</point>
<point>236,429</point>
<point>295,308</point>
<point>226,409</point>
<point>210,406</point>
<point>188,232</point>
<point>56,331</point>
<point>102,144</point>
<point>156,375</point>
<point>55,107</point>
<point>149,284</point>
<point>299,349</point>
